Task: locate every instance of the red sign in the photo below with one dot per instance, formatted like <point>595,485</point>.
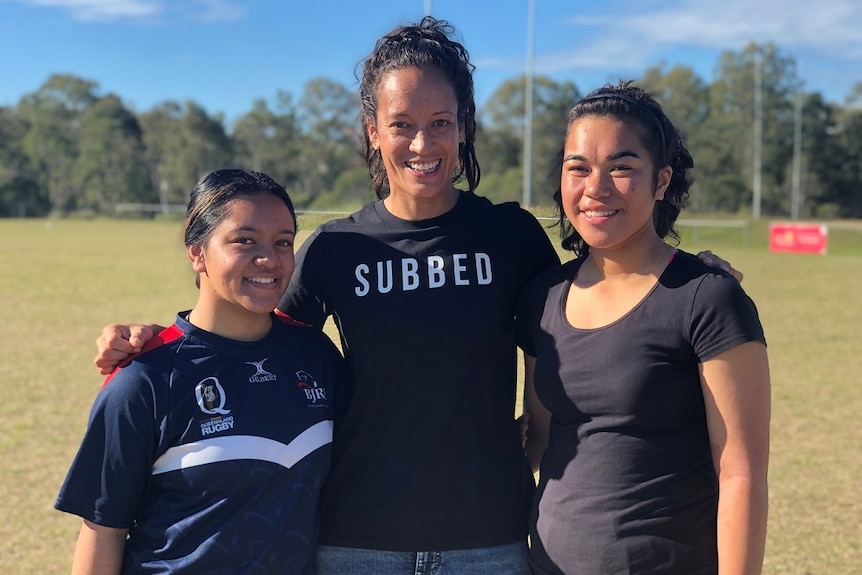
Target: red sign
<point>803,238</point>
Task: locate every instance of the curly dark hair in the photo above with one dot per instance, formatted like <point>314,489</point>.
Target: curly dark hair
<point>427,44</point>
<point>659,136</point>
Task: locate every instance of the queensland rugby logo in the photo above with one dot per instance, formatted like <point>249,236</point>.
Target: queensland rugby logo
<point>211,400</point>
<point>314,393</point>
<point>211,397</point>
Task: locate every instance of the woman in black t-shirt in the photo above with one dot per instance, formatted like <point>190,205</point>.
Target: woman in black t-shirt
<point>650,398</point>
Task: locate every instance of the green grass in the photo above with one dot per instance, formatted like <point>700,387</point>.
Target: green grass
<point>61,281</point>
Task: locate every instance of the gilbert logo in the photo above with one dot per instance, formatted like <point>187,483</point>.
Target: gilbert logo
<point>313,392</point>
<point>261,374</point>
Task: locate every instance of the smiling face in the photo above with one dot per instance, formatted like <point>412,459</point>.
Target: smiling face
<point>245,264</point>
<point>416,132</point>
<point>609,185</point>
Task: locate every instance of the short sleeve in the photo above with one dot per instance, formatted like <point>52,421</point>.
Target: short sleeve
<point>108,477</point>
<point>303,301</point>
<point>539,251</point>
<point>722,317</point>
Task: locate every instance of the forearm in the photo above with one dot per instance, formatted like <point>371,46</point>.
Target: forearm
<point>99,550</point>
<point>742,511</point>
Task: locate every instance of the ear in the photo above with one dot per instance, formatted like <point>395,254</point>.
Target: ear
<point>195,253</point>
<point>664,176</point>
<point>373,136</point>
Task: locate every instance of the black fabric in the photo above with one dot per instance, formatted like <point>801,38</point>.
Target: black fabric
<point>427,455</point>
<point>627,482</point>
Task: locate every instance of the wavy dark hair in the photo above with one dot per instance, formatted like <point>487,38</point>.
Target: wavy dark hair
<point>663,141</point>
<point>426,44</point>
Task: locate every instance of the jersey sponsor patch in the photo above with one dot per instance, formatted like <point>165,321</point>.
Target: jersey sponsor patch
<point>315,393</point>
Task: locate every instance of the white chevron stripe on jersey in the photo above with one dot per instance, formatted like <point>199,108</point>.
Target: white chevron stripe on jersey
<point>232,447</point>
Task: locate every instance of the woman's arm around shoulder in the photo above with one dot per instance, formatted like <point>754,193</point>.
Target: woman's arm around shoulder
<point>119,341</point>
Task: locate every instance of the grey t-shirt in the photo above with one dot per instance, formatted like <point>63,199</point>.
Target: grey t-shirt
<point>627,482</point>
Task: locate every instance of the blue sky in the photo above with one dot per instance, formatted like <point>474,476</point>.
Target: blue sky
<point>225,53</point>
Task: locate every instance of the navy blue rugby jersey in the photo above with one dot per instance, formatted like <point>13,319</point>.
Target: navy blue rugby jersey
<point>212,452</point>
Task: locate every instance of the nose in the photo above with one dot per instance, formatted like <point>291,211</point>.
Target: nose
<point>419,141</point>
<point>597,184</point>
<point>266,257</point>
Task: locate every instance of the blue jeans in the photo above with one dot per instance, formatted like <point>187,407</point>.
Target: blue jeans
<point>503,560</point>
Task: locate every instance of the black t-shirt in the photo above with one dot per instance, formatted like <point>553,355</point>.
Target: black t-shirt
<point>427,455</point>
<point>627,482</point>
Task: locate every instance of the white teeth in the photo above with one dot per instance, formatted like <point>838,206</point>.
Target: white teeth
<point>262,280</point>
<point>595,214</point>
<point>426,167</point>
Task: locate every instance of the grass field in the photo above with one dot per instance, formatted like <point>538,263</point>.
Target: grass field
<point>61,280</point>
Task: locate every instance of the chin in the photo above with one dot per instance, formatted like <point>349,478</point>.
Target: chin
<point>259,308</point>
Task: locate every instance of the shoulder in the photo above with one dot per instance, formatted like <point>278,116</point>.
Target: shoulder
<point>329,233</point>
<point>157,355</point>
<point>349,222</point>
<point>485,206</point>
<point>719,311</point>
<point>703,286</point>
<point>554,275</point>
<point>548,282</point>
<point>686,268</point>
<point>297,336</point>
<point>511,220</point>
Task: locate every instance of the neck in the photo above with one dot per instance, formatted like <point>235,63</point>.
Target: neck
<point>412,208</point>
<point>648,259</point>
<point>230,321</point>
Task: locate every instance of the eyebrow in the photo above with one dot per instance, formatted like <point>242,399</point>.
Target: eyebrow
<point>610,157</point>
<point>253,229</point>
<point>406,112</point>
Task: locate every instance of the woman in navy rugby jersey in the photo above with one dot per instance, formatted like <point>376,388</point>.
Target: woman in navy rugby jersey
<point>206,452</point>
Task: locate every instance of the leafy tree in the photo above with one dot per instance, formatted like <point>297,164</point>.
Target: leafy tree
<point>19,193</point>
<point>183,143</point>
<point>685,99</point>
<point>53,119</point>
<point>327,115</point>
<point>847,195</point>
<point>269,141</point>
<point>159,129</point>
<point>500,142</point>
<point>108,169</point>
<point>204,145</point>
<point>683,95</point>
<point>731,119</point>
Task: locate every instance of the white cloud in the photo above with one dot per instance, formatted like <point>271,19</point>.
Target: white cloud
<point>827,25</point>
<point>102,9</point>
<point>628,38</point>
<point>111,10</point>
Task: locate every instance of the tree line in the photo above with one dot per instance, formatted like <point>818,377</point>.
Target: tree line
<point>66,149</point>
